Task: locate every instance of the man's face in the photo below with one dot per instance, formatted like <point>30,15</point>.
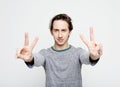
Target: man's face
<point>60,32</point>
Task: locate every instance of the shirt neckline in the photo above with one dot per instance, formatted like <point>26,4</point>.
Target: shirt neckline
<point>62,49</point>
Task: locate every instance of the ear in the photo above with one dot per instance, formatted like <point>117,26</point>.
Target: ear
<point>70,33</point>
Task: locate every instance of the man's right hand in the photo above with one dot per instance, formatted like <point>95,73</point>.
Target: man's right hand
<point>25,52</point>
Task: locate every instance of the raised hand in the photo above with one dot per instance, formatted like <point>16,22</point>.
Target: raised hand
<point>25,52</point>
<point>94,47</point>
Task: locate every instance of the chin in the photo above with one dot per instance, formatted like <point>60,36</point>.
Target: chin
<point>60,44</point>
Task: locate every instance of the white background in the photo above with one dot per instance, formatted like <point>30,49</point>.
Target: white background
<point>33,16</point>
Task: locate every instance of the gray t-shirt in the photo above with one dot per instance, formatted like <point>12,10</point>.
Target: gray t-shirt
<point>62,67</point>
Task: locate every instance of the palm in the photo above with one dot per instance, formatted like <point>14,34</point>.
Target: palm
<point>94,47</point>
<point>25,52</point>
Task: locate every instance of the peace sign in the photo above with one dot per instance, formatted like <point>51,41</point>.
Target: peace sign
<point>25,52</point>
<point>94,47</point>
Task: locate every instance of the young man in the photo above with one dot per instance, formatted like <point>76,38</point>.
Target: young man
<point>62,62</point>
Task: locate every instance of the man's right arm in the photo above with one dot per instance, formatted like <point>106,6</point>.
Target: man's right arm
<point>25,51</point>
<point>37,60</point>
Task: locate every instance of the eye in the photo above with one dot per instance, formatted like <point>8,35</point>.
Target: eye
<point>55,30</point>
<point>64,30</point>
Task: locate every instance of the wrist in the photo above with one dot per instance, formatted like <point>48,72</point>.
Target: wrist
<point>30,63</point>
<point>93,57</point>
<point>30,59</point>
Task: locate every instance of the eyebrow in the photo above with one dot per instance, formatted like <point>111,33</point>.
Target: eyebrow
<point>60,29</point>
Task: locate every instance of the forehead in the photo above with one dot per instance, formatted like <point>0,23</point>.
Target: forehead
<point>60,24</point>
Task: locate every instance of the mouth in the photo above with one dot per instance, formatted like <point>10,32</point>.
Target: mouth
<point>60,40</point>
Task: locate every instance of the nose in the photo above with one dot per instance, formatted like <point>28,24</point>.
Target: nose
<point>59,34</point>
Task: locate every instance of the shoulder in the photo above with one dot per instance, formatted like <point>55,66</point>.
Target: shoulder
<point>45,51</point>
<point>77,48</point>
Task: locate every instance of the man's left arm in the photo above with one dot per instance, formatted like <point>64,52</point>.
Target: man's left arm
<point>95,48</point>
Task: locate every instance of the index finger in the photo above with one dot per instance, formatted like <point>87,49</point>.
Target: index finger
<point>26,43</point>
<point>85,41</point>
<point>91,34</point>
<point>34,43</point>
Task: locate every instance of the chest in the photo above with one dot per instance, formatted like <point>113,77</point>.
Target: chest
<point>62,62</point>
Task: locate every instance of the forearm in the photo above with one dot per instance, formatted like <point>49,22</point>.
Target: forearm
<point>37,60</point>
